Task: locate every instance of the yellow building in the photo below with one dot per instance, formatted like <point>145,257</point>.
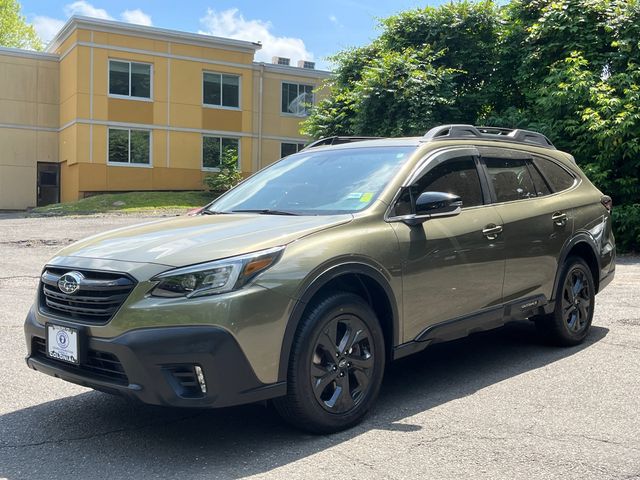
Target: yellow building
<point>114,107</point>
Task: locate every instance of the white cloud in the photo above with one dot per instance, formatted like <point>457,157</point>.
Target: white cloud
<point>83,8</point>
<point>232,24</point>
<point>47,27</point>
<point>136,16</point>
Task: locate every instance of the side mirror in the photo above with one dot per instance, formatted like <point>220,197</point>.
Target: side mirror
<point>433,205</point>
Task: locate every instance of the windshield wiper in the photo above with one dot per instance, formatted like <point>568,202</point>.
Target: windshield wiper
<point>212,212</point>
<point>264,211</point>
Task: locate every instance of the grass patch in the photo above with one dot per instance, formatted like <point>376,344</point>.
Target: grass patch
<point>131,202</point>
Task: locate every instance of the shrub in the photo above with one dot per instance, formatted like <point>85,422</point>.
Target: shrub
<point>228,176</point>
<point>626,227</point>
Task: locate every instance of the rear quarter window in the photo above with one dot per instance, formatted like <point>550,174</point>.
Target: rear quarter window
<point>557,177</point>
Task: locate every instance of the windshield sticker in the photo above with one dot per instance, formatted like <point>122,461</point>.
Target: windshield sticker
<point>355,195</point>
<point>366,197</point>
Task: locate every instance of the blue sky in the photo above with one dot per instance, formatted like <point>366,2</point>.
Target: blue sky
<point>295,29</point>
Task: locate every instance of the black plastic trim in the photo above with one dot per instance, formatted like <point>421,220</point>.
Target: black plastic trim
<point>318,279</point>
<point>486,319</point>
<point>145,354</point>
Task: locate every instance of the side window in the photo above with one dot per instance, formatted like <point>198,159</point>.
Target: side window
<point>511,179</point>
<point>458,176</point>
<point>541,185</point>
<point>557,177</point>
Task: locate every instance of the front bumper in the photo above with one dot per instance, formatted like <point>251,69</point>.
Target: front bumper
<point>153,365</point>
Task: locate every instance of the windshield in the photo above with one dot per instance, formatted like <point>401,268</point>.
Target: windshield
<point>317,183</point>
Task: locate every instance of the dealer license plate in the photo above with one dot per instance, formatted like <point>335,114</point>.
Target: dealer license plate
<point>62,343</point>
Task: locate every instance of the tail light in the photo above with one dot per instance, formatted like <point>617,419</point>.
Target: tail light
<point>607,202</point>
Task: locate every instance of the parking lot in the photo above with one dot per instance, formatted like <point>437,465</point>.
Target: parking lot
<point>495,405</point>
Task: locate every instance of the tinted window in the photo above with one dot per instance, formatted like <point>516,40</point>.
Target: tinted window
<point>541,185</point>
<point>557,177</point>
<point>511,179</point>
<point>129,146</point>
<point>214,150</point>
<point>296,98</point>
<point>221,90</point>
<point>130,79</point>
<point>287,149</point>
<point>458,176</point>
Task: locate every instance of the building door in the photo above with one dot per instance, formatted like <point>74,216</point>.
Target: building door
<point>48,183</point>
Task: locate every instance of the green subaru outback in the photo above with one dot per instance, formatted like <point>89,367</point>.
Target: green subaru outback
<point>301,283</point>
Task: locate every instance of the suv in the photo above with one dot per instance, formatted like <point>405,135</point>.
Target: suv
<point>302,282</point>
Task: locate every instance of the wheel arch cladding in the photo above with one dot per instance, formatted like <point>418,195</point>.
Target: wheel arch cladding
<point>582,247</point>
<point>360,279</point>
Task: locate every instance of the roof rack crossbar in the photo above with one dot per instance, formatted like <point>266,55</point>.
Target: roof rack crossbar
<point>460,131</point>
<point>337,140</point>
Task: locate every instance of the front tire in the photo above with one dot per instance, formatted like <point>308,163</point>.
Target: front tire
<point>336,365</point>
<point>570,322</point>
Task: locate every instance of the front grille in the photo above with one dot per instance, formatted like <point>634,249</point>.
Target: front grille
<point>101,365</point>
<point>99,297</point>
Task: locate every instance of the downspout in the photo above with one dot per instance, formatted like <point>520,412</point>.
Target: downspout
<point>260,90</point>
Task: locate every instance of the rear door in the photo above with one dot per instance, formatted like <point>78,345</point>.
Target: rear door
<point>536,221</point>
<point>452,266</point>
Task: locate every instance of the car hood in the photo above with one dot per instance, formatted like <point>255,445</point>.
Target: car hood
<point>188,240</point>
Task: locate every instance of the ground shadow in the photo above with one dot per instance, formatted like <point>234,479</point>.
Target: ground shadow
<point>95,435</point>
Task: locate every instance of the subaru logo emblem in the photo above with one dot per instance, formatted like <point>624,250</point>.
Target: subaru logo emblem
<point>69,283</point>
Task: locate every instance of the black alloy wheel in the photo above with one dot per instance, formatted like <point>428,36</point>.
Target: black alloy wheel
<point>336,365</point>
<point>342,364</point>
<point>576,300</point>
<point>570,321</point>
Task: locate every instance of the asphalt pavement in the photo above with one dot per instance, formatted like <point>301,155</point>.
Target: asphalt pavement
<point>499,404</point>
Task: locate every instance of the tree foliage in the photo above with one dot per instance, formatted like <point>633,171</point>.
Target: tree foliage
<point>567,68</point>
<point>14,29</point>
<point>228,176</point>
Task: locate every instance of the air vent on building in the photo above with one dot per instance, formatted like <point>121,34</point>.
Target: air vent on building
<point>306,64</point>
<point>281,61</point>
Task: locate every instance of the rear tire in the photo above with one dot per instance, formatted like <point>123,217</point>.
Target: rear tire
<point>336,365</point>
<point>570,321</point>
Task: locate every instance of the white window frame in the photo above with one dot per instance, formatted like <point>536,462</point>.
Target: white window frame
<point>313,99</point>
<point>129,164</point>
<point>219,137</point>
<point>299,146</point>
<point>129,97</point>
<point>222,107</point>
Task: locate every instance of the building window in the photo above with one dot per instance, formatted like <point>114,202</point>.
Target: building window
<point>217,149</point>
<point>221,90</point>
<point>296,98</point>
<point>287,149</point>
<point>129,79</point>
<point>129,147</point>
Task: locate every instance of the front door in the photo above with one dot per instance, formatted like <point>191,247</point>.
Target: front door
<point>452,266</point>
<point>48,183</point>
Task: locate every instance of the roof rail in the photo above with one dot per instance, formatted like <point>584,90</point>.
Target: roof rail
<point>337,140</point>
<point>517,135</point>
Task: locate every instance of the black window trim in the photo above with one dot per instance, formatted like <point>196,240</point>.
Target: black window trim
<point>431,160</point>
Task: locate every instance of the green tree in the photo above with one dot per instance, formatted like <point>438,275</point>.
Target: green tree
<point>14,29</point>
<point>428,66</point>
<point>567,68</point>
<point>228,176</point>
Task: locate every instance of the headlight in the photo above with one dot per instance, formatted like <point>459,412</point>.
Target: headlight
<point>214,277</point>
